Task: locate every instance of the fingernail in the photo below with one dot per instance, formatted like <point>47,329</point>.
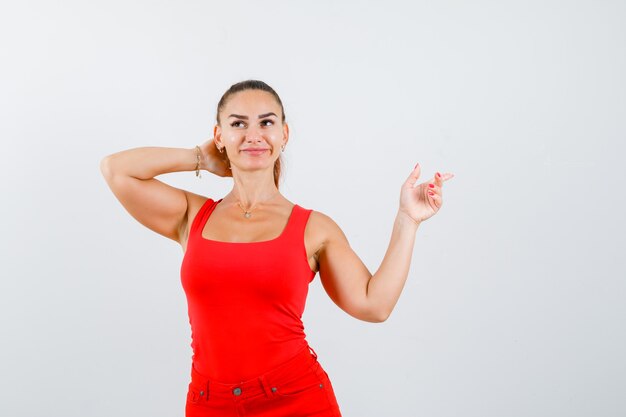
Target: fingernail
<point>431,186</point>
<point>416,165</point>
<point>438,175</point>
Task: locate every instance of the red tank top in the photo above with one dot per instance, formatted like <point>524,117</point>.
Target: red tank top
<point>245,300</point>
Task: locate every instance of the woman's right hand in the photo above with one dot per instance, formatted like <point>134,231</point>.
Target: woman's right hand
<point>213,161</point>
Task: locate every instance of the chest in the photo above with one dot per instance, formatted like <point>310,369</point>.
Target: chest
<point>240,274</point>
<point>232,231</point>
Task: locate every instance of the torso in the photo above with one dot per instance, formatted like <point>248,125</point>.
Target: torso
<point>228,225</point>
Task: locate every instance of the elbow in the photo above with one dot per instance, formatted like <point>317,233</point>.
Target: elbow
<point>368,315</point>
<point>108,167</point>
<point>105,167</point>
<point>377,316</point>
<point>378,311</point>
<point>381,317</point>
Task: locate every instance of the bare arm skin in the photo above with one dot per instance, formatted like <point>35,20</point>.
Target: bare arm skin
<point>158,206</point>
<point>350,284</point>
<point>347,280</point>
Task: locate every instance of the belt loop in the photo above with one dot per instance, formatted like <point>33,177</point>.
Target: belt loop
<point>268,391</point>
<point>204,393</point>
<point>312,351</point>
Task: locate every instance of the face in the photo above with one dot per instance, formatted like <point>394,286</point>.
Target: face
<point>251,130</point>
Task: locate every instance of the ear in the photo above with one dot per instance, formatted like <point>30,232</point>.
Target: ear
<point>285,133</point>
<point>217,135</point>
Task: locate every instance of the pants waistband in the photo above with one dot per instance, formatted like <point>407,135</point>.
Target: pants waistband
<point>298,364</point>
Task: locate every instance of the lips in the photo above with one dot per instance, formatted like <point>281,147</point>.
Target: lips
<point>255,151</point>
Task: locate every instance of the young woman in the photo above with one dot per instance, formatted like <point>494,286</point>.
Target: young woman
<point>250,256</point>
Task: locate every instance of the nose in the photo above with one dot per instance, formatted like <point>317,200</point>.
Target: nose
<point>253,135</point>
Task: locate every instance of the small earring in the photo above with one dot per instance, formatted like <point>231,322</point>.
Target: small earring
<point>283,148</point>
<point>221,150</point>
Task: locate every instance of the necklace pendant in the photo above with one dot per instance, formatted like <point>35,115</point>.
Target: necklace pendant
<point>247,214</point>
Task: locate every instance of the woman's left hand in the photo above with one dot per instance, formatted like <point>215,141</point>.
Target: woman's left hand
<point>424,200</point>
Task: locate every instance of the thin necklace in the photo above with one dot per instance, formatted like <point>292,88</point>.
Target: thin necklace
<point>248,213</point>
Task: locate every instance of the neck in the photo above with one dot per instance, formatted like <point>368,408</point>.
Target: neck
<point>252,188</point>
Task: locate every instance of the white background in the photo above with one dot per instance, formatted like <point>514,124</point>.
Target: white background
<point>514,305</point>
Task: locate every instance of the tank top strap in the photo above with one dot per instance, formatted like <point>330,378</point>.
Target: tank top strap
<point>202,215</point>
<point>297,223</point>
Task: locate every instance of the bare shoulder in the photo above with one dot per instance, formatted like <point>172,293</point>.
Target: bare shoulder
<point>323,222</point>
<point>194,202</point>
<point>323,229</point>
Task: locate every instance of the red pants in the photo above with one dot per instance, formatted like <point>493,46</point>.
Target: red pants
<point>298,387</point>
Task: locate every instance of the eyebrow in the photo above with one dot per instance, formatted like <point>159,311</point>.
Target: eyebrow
<point>246,117</point>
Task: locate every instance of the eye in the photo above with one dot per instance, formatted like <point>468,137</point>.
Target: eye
<point>267,120</point>
<point>235,122</point>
